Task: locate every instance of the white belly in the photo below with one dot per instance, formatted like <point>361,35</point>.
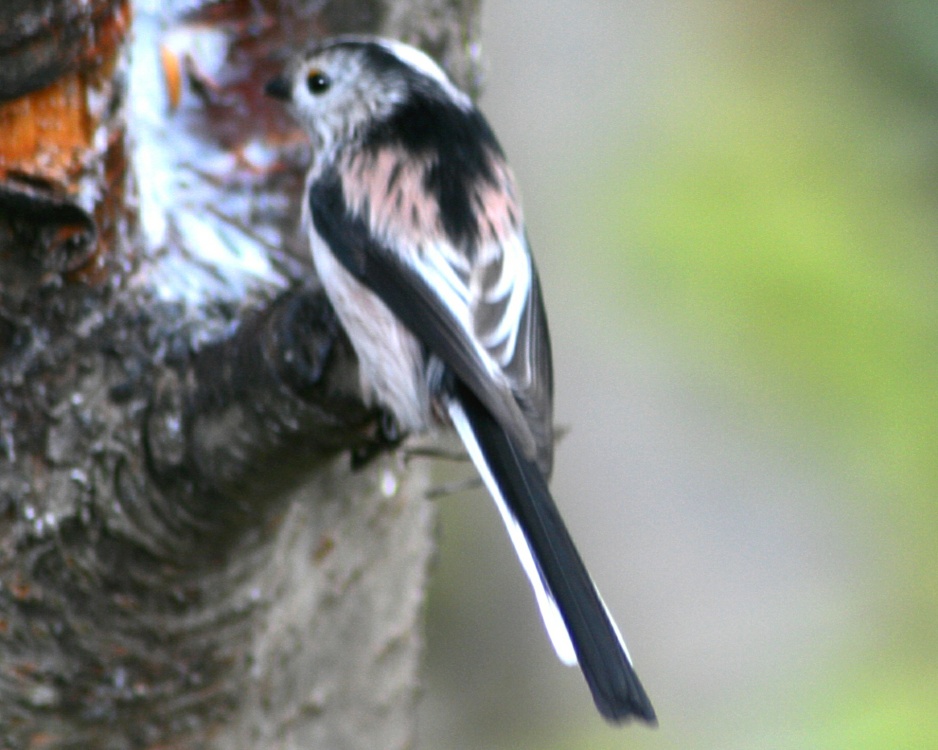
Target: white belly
<point>391,364</point>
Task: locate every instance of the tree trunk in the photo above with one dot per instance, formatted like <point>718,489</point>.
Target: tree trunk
<point>205,540</point>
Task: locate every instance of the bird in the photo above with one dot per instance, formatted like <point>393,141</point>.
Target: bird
<point>418,238</point>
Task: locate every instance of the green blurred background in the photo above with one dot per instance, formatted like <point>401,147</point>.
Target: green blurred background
<point>733,207</point>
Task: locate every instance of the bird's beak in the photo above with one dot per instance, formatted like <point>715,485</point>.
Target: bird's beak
<point>279,88</point>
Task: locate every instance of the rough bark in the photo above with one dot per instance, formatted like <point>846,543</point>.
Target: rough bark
<point>205,539</point>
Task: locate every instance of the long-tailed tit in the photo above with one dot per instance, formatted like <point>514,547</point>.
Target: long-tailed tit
<point>417,235</point>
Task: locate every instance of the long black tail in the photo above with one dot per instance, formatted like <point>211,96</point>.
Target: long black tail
<point>575,616</point>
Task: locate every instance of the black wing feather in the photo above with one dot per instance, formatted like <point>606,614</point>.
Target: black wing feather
<point>412,300</point>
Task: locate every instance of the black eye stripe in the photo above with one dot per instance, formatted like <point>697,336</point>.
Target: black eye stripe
<point>317,82</point>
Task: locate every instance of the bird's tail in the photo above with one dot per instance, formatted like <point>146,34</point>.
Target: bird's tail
<point>577,621</point>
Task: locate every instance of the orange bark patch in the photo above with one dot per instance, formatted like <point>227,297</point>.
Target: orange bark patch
<point>46,132</point>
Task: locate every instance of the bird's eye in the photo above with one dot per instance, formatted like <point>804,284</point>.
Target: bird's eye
<point>317,82</point>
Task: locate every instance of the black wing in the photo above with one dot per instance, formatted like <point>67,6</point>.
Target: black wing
<point>443,322</point>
